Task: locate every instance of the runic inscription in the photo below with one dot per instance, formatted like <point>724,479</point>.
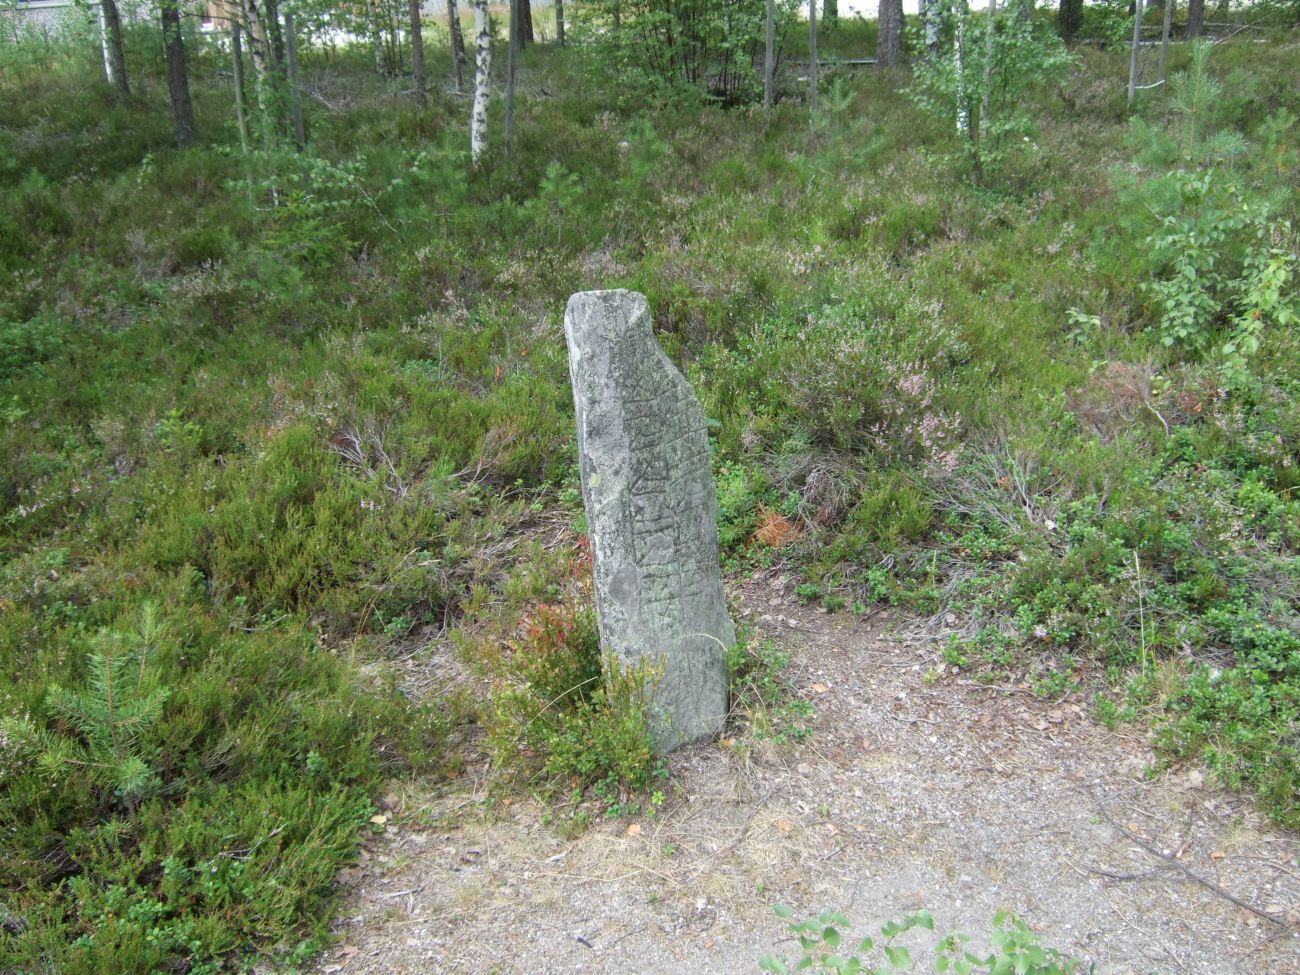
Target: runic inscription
<point>652,511</point>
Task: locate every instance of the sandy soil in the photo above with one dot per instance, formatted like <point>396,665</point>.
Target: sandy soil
<point>945,794</point>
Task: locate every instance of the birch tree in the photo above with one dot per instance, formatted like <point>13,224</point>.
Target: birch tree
<point>114,54</point>
<point>266,48</point>
<point>985,76</point>
<point>959,55</point>
<point>482,82</point>
<point>930,17</point>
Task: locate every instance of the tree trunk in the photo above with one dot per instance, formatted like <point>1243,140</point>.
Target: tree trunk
<point>237,63</point>
<point>482,82</point>
<point>524,22</point>
<point>457,45</point>
<point>559,21</point>
<point>255,16</point>
<point>889,36</point>
<point>115,54</point>
<point>103,46</point>
<point>1195,17</point>
<point>959,57</point>
<point>265,42</point>
<point>178,81</point>
<point>274,36</point>
<point>376,30</point>
<point>930,16</point>
<point>512,67</point>
<point>1164,39</point>
<point>812,55</point>
<point>291,62</point>
<point>1069,19</point>
<point>417,55</point>
<point>769,58</point>
<point>988,67</point>
<point>1134,53</point>
<point>266,47</point>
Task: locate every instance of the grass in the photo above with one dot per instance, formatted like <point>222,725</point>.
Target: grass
<point>312,408</point>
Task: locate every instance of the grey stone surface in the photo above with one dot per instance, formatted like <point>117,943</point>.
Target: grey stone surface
<point>652,511</point>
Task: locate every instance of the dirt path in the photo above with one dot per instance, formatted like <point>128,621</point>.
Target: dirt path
<point>949,796</point>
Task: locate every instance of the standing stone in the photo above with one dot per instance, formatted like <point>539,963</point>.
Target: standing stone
<point>647,484</point>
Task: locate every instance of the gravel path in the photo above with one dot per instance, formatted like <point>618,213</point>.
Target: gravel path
<point>944,794</point>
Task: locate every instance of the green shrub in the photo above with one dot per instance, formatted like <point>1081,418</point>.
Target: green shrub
<point>1242,719</point>
<point>851,377</point>
<point>764,707</point>
<point>185,792</point>
<point>715,46</point>
<point>566,719</point>
<point>984,89</point>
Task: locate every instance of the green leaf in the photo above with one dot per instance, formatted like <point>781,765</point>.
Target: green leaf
<point>899,957</point>
<point>770,963</point>
<point>783,911</point>
<point>831,938</point>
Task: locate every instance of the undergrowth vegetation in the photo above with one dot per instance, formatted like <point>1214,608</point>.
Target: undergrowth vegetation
<point>272,422</point>
<point>829,949</point>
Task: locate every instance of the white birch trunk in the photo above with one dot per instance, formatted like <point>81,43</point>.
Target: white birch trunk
<point>103,46</point>
<point>478,119</point>
<point>930,15</point>
<point>963,113</point>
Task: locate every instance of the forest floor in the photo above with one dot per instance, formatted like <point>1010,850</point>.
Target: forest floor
<point>911,793</point>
